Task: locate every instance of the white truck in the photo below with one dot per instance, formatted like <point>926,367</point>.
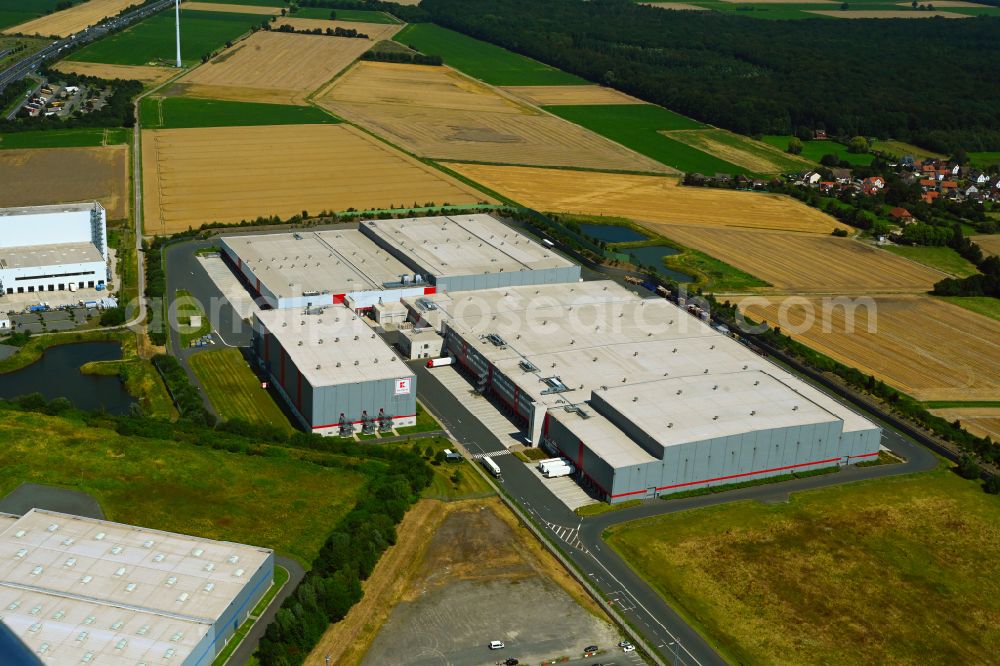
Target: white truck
<point>491,466</point>
<point>556,471</point>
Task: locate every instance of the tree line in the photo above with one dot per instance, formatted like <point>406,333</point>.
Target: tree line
<point>850,78</point>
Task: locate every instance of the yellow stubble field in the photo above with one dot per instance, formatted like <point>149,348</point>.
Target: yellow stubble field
<point>439,113</point>
<point>569,95</point>
<point>274,67</point>
<point>227,174</point>
<point>74,19</point>
<point>375,31</point>
<point>146,74</point>
<point>980,421</point>
<point>989,244</point>
<point>235,9</point>
<point>927,348</point>
<point>653,200</point>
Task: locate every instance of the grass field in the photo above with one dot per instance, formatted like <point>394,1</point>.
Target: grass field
<point>234,389</point>
<point>640,127</point>
<point>425,423</point>
<point>69,138</point>
<point>186,306</point>
<point>197,175</point>
<point>985,159</point>
<point>899,340</point>
<point>73,19</point>
<point>359,15</point>
<point>887,571</point>
<point>753,156</point>
<point>63,175</point>
<point>815,150</point>
<point>438,112</point>
<point>13,12</point>
<point>275,502</point>
<point>177,112</point>
<point>900,149</point>
<point>942,258</point>
<point>152,41</point>
<point>482,60</point>
<point>984,305</point>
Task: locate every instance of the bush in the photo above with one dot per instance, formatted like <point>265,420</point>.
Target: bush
<point>113,316</point>
<point>968,468</point>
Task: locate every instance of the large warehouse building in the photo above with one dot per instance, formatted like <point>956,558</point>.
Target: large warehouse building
<point>53,248</point>
<point>337,376</point>
<point>468,252</point>
<point>644,398</point>
<point>78,590</point>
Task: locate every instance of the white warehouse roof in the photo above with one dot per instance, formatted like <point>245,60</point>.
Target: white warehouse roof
<point>76,589</point>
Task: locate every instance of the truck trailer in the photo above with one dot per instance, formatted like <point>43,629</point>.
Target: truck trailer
<point>491,466</point>
<point>556,471</point>
<point>545,465</point>
<point>439,362</point>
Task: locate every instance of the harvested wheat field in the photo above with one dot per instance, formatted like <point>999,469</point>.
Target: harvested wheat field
<point>808,263</point>
<point>569,95</point>
<point>980,421</point>
<point>439,113</point>
<point>149,75</point>
<point>676,5</point>
<point>63,175</point>
<point>926,348</point>
<point>275,67</point>
<point>755,156</point>
<point>235,9</point>
<point>226,174</point>
<point>989,244</point>
<point>887,14</point>
<point>74,19</point>
<point>375,31</point>
<point>655,200</point>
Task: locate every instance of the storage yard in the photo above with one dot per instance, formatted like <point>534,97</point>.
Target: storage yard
<point>438,112</point>
<point>275,67</point>
<point>65,175</point>
<point>660,202</point>
<point>74,19</point>
<point>200,175</point>
<point>927,348</point>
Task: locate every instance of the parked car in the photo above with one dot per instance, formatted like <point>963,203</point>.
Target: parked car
<point>624,644</point>
<point>628,648</point>
<point>590,648</point>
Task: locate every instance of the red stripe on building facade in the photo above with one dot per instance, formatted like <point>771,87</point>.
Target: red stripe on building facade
<point>430,290</point>
<point>338,299</point>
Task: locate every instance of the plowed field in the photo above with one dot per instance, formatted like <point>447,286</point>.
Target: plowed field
<point>437,112</point>
<point>226,174</point>
<point>563,95</point>
<point>656,200</point>
<point>133,72</point>
<point>276,67</point>
<point>65,175</point>
<point>74,19</point>
<point>924,347</point>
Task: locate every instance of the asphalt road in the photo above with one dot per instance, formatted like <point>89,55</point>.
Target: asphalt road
<point>580,539</point>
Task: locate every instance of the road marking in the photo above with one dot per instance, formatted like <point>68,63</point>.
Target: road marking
<point>492,454</point>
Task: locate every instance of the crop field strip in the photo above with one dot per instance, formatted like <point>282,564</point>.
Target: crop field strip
<point>375,31</point>
<point>234,390</point>
<point>274,67</point>
<point>177,112</point>
<point>83,137</point>
<point>196,176</point>
<point>754,156</point>
<point>814,150</point>
<point>229,7</point>
<point>146,74</point>
<point>980,421</point>
<point>569,95</point>
<point>906,350</point>
<point>660,203</point>
<point>68,21</point>
<point>989,244</point>
<point>437,112</point>
<point>887,14</point>
<point>84,174</point>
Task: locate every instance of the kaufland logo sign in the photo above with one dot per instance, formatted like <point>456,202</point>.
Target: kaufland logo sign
<point>403,386</point>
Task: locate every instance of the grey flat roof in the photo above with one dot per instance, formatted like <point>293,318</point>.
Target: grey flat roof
<point>50,255</point>
<point>337,347</point>
<point>464,245</point>
<point>334,262</point>
<point>48,209</point>
<point>72,586</point>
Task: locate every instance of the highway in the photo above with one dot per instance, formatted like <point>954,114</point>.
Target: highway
<point>54,50</point>
<point>580,539</point>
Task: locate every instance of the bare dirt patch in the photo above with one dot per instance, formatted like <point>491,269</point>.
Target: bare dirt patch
<point>566,95</point>
<point>907,349</point>
<point>277,67</point>
<point>64,175</point>
<point>887,14</point>
<point>439,113</point>
<point>74,19</point>
<point>980,421</point>
<point>655,200</point>
<point>149,75</point>
<point>226,174</point>
<point>375,31</point>
<point>235,9</point>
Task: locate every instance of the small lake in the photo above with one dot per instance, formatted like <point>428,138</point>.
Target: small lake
<point>653,257</point>
<point>57,374</point>
<point>610,233</point>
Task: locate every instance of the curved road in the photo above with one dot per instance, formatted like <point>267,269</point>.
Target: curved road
<point>581,539</point>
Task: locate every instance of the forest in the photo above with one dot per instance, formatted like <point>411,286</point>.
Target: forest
<point>932,82</point>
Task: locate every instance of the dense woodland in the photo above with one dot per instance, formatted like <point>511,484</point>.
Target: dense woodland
<point>933,82</point>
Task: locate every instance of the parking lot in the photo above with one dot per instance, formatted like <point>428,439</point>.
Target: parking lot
<point>51,321</point>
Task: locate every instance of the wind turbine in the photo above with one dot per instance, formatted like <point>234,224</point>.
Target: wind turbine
<point>177,11</point>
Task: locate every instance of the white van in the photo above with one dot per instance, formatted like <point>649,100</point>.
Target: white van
<point>496,645</point>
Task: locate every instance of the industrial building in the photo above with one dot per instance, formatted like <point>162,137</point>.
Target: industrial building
<point>318,268</point>
<point>336,375</point>
<point>420,343</point>
<point>77,590</point>
<point>467,252</point>
<point>53,248</point>
<point>642,397</point>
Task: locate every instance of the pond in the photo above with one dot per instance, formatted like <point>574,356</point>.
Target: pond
<point>610,233</point>
<point>653,257</point>
<point>57,374</point>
